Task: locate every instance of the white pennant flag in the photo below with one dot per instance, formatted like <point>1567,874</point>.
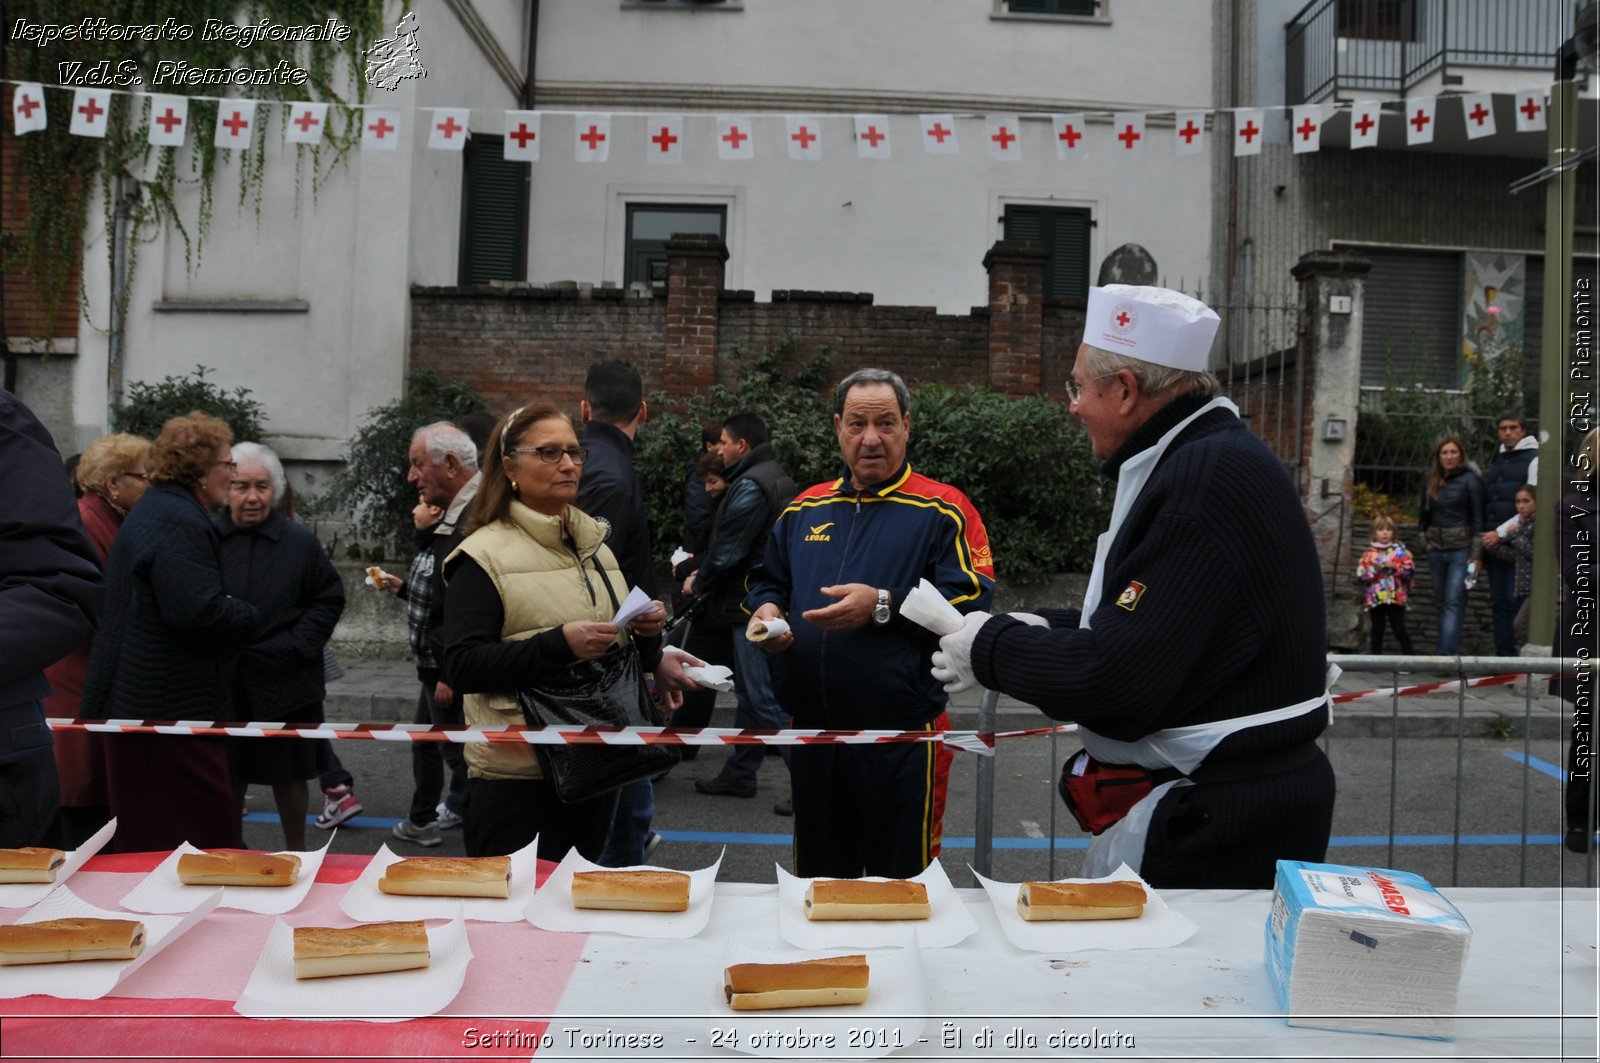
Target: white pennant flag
<point>91,113</point>
<point>1070,134</point>
<point>1477,111</point>
<point>1189,131</point>
<point>939,134</point>
<point>1004,137</point>
<point>805,137</point>
<point>872,136</point>
<point>306,123</point>
<point>448,131</point>
<point>522,136</point>
<point>592,137</point>
<point>169,120</point>
<point>27,108</point>
<point>735,137</point>
<point>1130,131</point>
<point>1419,120</point>
<point>1247,123</point>
<point>1365,119</point>
<point>236,123</point>
<point>1530,111</point>
<point>665,145</point>
<point>380,128</point>
<point>1307,130</point>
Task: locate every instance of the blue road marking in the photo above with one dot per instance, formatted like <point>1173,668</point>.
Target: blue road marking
<point>1536,764</point>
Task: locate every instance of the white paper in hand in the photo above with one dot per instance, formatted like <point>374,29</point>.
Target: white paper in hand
<point>679,556</point>
<point>762,630</point>
<point>925,606</point>
<point>637,603</point>
<point>710,676</point>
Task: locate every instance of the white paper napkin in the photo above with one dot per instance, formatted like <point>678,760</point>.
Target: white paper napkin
<point>22,894</point>
<point>273,991</point>
<point>1158,928</point>
<point>162,892</point>
<point>551,908</point>
<point>893,1016</point>
<point>924,605</point>
<point>948,923</point>
<point>710,676</point>
<point>93,979</point>
<point>679,556</point>
<point>773,628</point>
<point>365,902</point>
<point>637,603</point>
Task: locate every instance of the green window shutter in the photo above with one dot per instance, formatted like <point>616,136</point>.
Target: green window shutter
<point>1082,8</point>
<point>494,213</point>
<point>1064,234</point>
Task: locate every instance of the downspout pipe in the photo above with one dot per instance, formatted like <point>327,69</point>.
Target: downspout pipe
<point>125,195</point>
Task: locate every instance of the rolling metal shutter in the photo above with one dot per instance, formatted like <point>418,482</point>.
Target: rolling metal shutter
<point>1411,331</point>
<point>494,214</point>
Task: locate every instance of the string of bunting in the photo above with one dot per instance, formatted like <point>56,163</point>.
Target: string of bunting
<point>665,136</point>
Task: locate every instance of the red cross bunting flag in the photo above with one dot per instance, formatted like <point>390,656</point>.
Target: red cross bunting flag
<point>27,108</point>
<point>1247,127</point>
<point>1129,131</point>
<point>236,124</point>
<point>805,136</point>
<point>735,137</point>
<point>939,134</point>
<point>1004,134</point>
<point>1419,120</point>
<point>872,136</point>
<point>1070,134</point>
<point>169,120</point>
<point>306,123</point>
<point>522,136</point>
<point>1364,121</point>
<point>448,130</point>
<point>91,112</point>
<point>664,144</point>
<point>1530,111</point>
<point>1307,128</point>
<point>592,133</point>
<point>380,128</point>
<point>1189,131</point>
<point>1477,111</point>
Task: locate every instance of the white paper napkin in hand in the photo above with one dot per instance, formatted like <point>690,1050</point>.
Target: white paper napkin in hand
<point>762,630</point>
<point>161,891</point>
<point>637,603</point>
<point>22,894</point>
<point>393,996</point>
<point>893,1017</point>
<point>679,556</point>
<point>710,676</point>
<point>948,922</point>
<point>364,901</point>
<point>925,606</point>
<point>551,908</point>
<point>93,979</point>
<point>1159,927</point>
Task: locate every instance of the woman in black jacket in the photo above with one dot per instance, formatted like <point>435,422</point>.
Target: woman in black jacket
<point>1452,524</point>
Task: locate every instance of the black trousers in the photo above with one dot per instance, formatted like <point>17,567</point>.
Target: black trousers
<point>1394,615</point>
<point>429,759</point>
<point>504,815</point>
<point>29,797</point>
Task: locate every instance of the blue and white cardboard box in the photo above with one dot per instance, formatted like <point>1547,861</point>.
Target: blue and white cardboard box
<point>1365,949</point>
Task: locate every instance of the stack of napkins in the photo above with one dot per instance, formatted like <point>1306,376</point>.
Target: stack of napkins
<point>1360,948</point>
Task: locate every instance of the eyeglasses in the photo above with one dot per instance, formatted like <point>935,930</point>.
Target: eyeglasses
<point>231,466</point>
<point>1075,389</point>
<point>551,455</point>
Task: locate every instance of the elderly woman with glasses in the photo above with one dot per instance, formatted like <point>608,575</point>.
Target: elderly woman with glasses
<point>530,590</point>
<point>165,644</point>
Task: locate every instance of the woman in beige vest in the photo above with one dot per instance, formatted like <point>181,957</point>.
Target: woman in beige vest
<point>525,598</point>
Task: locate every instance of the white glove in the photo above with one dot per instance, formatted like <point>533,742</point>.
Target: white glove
<point>1031,619</point>
<point>952,663</point>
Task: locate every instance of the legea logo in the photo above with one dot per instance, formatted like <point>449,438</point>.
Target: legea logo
<point>818,533</point>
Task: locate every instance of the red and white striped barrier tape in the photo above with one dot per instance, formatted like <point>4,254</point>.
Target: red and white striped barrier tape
<point>1449,687</point>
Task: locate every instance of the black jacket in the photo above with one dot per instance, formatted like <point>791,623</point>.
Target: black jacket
<point>758,489</point>
<point>609,490</point>
<point>1456,515</point>
<point>280,568</point>
<point>51,590</point>
<point>1509,472</point>
<point>170,630</point>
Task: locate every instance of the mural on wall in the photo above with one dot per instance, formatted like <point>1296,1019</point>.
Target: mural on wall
<point>1494,287</point>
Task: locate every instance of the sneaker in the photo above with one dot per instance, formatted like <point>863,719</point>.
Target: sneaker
<point>339,804</point>
<point>447,820</point>
<point>784,806</point>
<point>426,836</point>
<point>721,787</point>
<point>651,844</point>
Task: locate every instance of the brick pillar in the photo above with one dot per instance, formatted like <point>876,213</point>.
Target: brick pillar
<point>694,282</point>
<point>1331,287</point>
<point>1016,316</point>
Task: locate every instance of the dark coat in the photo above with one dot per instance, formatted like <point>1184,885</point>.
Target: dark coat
<point>1455,516</point>
<point>609,490</point>
<point>280,568</point>
<point>170,629</point>
<point>1500,483</point>
<point>758,489</point>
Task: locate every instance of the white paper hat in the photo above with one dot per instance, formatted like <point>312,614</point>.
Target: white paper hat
<point>1151,324</point>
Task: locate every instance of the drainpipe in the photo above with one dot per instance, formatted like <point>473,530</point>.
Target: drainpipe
<point>533,54</point>
<point>1233,170</point>
<point>125,194</point>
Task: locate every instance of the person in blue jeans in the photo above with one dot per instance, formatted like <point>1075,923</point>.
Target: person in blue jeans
<point>1452,525</point>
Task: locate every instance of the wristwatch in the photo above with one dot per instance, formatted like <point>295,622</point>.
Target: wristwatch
<point>880,612</point>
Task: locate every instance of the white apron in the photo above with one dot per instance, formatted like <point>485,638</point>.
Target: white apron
<point>1182,748</point>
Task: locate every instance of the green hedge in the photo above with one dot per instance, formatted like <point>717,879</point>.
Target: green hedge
<point>150,406</point>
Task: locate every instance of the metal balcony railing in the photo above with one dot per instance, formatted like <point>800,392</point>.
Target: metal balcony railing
<point>1337,47</point>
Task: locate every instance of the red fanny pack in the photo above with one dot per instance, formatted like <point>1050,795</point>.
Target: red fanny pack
<point>1099,795</point>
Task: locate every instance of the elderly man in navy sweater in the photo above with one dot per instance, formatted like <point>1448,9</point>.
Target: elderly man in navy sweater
<point>1198,657</point>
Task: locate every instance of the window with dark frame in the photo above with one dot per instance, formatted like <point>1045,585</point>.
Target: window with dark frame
<point>494,213</point>
<point>1064,233</point>
<point>651,225</point>
<point>1376,20</point>
<point>1077,8</point>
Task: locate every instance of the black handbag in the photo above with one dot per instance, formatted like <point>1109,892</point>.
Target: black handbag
<point>606,692</point>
